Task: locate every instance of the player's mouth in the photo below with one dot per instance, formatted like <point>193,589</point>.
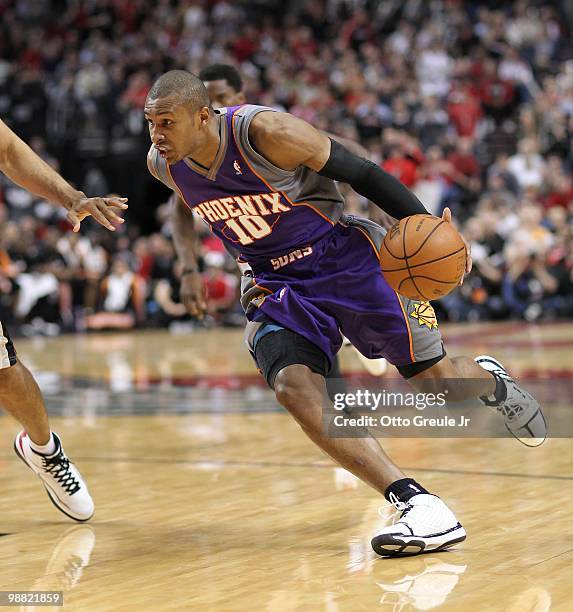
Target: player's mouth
<point>163,151</point>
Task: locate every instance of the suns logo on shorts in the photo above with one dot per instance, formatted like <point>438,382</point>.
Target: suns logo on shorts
<point>257,300</point>
<point>425,315</point>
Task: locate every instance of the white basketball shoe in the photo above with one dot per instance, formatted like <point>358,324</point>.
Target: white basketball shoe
<point>425,524</point>
<point>62,481</point>
<point>520,410</point>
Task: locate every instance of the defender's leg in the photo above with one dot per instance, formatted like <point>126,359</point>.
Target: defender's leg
<point>39,448</point>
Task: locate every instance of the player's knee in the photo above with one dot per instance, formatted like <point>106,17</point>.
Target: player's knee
<point>288,385</point>
<point>295,392</point>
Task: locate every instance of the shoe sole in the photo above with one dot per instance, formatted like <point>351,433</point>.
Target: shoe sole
<point>536,441</point>
<point>53,498</point>
<point>399,545</point>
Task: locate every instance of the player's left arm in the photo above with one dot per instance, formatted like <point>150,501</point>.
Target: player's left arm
<point>21,164</point>
<point>289,142</point>
<point>374,212</point>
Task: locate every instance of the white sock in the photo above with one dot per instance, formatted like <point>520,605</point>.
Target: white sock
<point>44,449</point>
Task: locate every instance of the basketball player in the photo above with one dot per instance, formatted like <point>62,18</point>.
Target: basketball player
<point>37,446</point>
<point>264,182</point>
<point>225,88</point>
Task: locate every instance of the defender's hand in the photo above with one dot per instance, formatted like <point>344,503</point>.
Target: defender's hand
<point>193,294</point>
<point>101,209</point>
<point>447,216</point>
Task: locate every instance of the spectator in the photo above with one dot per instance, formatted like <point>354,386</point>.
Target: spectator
<point>166,307</point>
<point>122,300</point>
<point>448,98</point>
<point>527,165</point>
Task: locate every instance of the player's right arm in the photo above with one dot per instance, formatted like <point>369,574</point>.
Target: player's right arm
<point>184,240</point>
<point>19,162</point>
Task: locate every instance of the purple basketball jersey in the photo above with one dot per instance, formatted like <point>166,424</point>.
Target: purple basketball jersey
<point>241,206</point>
<point>314,271</point>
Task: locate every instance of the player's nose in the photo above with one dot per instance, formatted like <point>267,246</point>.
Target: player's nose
<point>156,136</point>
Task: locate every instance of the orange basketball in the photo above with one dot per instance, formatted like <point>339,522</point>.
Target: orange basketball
<point>423,257</point>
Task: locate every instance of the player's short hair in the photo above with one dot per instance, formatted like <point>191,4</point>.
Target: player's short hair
<point>223,72</point>
<point>186,87</point>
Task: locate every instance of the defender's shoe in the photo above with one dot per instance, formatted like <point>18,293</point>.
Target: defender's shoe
<point>62,481</point>
<point>521,412</point>
<point>426,524</point>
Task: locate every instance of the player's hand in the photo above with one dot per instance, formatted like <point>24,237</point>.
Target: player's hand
<point>193,294</point>
<point>101,209</point>
<point>447,216</point>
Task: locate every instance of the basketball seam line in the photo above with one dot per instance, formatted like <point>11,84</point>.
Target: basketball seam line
<point>435,280</point>
<point>423,241</point>
<point>406,259</point>
<point>405,256</point>
<point>424,263</point>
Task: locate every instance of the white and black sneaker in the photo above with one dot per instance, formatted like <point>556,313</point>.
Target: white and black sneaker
<point>425,525</point>
<point>423,585</point>
<point>520,410</point>
<point>62,481</point>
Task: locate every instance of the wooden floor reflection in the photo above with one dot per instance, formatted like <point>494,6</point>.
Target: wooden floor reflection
<point>236,510</point>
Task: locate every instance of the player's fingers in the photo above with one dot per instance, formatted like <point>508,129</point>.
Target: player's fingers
<point>74,220</point>
<point>96,213</point>
<point>110,215</point>
<point>469,262</point>
<point>116,202</point>
<point>447,215</point>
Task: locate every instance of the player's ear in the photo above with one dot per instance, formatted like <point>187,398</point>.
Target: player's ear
<point>204,114</point>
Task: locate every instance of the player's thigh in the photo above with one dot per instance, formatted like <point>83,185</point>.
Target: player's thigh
<point>275,348</point>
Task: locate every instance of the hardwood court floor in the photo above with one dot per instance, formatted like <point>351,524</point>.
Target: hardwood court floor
<point>211,499</point>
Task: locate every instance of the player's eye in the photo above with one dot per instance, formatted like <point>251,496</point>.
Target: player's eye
<point>167,122</point>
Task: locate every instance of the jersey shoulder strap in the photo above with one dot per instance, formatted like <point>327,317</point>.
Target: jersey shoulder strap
<point>158,168</point>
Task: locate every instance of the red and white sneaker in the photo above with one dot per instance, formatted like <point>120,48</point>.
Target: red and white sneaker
<point>62,481</point>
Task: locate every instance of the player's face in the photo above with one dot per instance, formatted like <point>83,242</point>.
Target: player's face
<point>222,94</point>
<point>175,130</point>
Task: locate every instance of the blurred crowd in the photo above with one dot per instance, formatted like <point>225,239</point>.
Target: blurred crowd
<point>469,104</point>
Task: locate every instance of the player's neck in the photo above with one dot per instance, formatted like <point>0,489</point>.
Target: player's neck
<point>208,152</point>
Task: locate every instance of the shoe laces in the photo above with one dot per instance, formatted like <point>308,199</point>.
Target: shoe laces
<point>511,409</point>
<point>400,508</point>
<point>58,467</point>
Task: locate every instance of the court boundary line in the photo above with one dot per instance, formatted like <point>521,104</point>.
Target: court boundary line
<point>289,464</point>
